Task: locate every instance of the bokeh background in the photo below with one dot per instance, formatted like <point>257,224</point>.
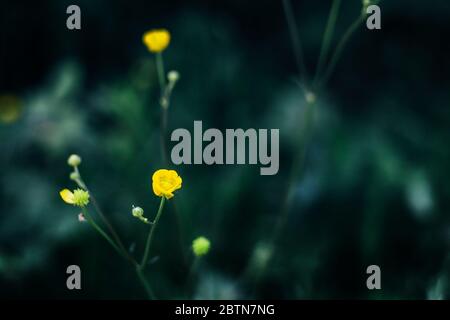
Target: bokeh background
<point>372,186</point>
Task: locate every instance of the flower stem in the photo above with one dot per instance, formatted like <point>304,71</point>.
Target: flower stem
<point>111,229</point>
<point>162,135</point>
<point>141,276</point>
<point>328,34</point>
<point>160,70</point>
<point>191,274</point>
<point>145,284</point>
<point>295,38</point>
<point>100,230</point>
<point>339,48</point>
<point>164,101</point>
<point>295,172</point>
<point>150,234</point>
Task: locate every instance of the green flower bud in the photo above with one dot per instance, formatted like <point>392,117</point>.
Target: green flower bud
<point>74,160</point>
<point>173,76</point>
<point>200,246</point>
<point>74,176</point>
<point>80,197</point>
<point>138,212</point>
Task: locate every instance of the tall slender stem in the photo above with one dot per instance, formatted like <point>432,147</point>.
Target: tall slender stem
<point>150,234</point>
<point>295,171</point>
<point>145,284</point>
<point>117,246</point>
<point>163,130</point>
<point>295,38</point>
<point>339,48</point>
<point>105,220</point>
<point>191,273</point>
<point>101,232</point>
<point>166,91</point>
<point>141,276</point>
<point>160,71</point>
<point>327,36</point>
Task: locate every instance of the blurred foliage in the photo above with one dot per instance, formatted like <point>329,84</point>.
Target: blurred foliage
<point>374,184</point>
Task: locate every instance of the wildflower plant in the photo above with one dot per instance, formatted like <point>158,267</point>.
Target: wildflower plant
<point>78,197</point>
<point>164,184</point>
<point>156,41</point>
<point>310,87</point>
<point>235,88</point>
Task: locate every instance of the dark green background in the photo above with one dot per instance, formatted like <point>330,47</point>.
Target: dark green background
<point>374,184</point>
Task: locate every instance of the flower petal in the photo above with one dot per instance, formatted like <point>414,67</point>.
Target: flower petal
<point>67,196</point>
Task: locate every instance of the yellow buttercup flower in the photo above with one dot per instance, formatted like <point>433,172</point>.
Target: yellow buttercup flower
<point>156,40</point>
<point>165,182</point>
<point>78,197</point>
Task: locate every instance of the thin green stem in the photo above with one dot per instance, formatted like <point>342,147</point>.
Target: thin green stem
<point>295,38</point>
<point>339,49</point>
<point>160,70</point>
<point>150,234</point>
<point>192,271</point>
<point>145,284</point>
<point>166,92</point>
<point>79,180</point>
<point>294,174</point>
<point>111,229</point>
<point>163,101</point>
<point>163,130</point>
<point>327,36</point>
<point>141,276</point>
<point>193,268</point>
<point>100,230</point>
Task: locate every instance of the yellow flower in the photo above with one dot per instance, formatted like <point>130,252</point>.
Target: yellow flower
<point>156,40</point>
<point>165,182</point>
<point>78,197</point>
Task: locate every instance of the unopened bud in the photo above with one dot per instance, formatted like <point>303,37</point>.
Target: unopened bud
<point>74,160</point>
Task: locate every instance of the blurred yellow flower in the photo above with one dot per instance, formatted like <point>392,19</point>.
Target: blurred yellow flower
<point>156,40</point>
<point>78,197</point>
<point>10,107</point>
<point>165,182</point>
